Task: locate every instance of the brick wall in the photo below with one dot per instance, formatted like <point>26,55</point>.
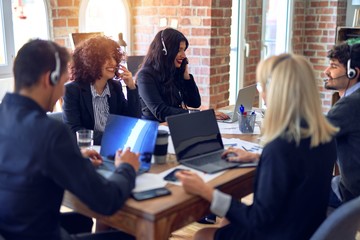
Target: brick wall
<point>64,15</point>
<point>253,38</point>
<point>206,23</point>
<point>298,37</point>
<point>322,18</point>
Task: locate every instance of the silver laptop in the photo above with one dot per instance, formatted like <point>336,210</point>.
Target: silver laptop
<point>197,141</point>
<point>245,97</point>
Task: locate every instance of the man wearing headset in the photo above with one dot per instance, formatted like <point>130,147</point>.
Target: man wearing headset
<point>343,76</point>
<point>39,157</point>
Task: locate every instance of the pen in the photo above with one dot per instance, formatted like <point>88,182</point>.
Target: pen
<point>241,109</point>
<point>244,148</point>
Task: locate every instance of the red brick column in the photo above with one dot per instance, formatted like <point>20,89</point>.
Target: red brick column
<point>64,17</point>
<point>206,24</point>
<point>253,38</point>
<point>322,18</point>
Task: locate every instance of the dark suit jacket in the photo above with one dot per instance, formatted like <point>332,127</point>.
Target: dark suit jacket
<point>78,107</point>
<point>38,160</point>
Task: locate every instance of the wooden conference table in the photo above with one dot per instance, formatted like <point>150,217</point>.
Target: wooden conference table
<point>155,219</point>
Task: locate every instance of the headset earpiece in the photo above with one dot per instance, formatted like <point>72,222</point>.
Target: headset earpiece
<point>55,74</point>
<point>350,72</point>
<point>163,42</point>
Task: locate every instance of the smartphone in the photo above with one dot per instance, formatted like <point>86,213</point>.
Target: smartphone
<point>152,193</point>
<point>171,176</point>
<point>183,64</point>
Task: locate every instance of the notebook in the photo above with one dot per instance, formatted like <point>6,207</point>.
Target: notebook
<point>197,141</point>
<point>245,97</point>
<point>121,132</point>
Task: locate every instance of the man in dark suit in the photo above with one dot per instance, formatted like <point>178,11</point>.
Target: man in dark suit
<point>343,76</point>
<point>39,157</point>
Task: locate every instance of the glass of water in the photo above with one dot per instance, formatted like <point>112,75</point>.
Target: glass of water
<point>85,138</point>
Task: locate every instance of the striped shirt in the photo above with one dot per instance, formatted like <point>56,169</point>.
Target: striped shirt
<point>101,107</point>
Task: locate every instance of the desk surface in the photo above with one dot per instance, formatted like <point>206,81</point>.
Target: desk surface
<point>157,218</point>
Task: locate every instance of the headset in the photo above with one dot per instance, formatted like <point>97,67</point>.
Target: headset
<point>163,43</point>
<point>350,72</point>
<point>55,74</point>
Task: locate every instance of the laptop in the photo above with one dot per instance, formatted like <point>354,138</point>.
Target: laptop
<point>245,97</point>
<point>197,141</point>
<point>121,132</point>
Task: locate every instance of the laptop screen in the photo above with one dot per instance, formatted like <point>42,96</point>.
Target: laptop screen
<point>138,134</point>
<point>195,134</point>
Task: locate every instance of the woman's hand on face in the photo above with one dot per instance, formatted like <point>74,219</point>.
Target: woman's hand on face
<point>239,155</point>
<point>221,116</point>
<point>126,76</point>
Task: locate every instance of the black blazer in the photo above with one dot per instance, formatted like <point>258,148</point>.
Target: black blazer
<point>155,104</point>
<point>78,107</point>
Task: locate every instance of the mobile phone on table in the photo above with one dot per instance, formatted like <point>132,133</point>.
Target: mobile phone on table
<point>152,193</point>
<point>171,176</point>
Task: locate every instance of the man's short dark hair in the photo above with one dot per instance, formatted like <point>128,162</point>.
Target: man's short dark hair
<point>35,58</point>
<point>342,52</point>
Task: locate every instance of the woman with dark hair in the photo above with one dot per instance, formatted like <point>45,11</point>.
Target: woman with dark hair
<point>165,85</point>
<point>93,94</point>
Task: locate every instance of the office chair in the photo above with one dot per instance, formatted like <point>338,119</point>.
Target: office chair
<point>134,63</point>
<point>55,115</point>
<point>343,223</point>
<point>76,38</point>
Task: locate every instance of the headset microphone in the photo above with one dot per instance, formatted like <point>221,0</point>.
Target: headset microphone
<point>327,79</point>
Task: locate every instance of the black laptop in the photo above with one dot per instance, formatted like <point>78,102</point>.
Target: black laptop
<point>121,132</point>
<point>197,141</point>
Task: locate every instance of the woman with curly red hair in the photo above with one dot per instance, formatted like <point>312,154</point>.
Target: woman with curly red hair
<point>93,93</point>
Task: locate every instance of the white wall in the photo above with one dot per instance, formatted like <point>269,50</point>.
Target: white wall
<point>6,85</point>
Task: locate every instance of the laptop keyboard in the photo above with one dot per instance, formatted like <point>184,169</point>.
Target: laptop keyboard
<point>214,159</point>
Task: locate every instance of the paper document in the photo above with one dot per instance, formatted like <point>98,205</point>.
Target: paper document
<point>245,145</point>
<point>147,181</point>
<point>233,128</point>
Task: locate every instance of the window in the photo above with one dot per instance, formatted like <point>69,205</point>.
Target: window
<point>6,39</point>
<point>110,17</point>
<point>276,27</point>
<point>30,21</point>
<point>20,20</point>
<point>237,46</point>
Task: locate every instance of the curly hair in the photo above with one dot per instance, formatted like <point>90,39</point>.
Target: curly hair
<point>90,56</point>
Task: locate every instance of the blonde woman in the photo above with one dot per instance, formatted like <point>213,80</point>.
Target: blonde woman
<point>293,177</point>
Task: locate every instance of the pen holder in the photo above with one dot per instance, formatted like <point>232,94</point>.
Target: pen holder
<point>246,122</point>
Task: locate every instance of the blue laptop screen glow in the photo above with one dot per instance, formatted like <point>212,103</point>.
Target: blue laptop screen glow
<point>138,134</point>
